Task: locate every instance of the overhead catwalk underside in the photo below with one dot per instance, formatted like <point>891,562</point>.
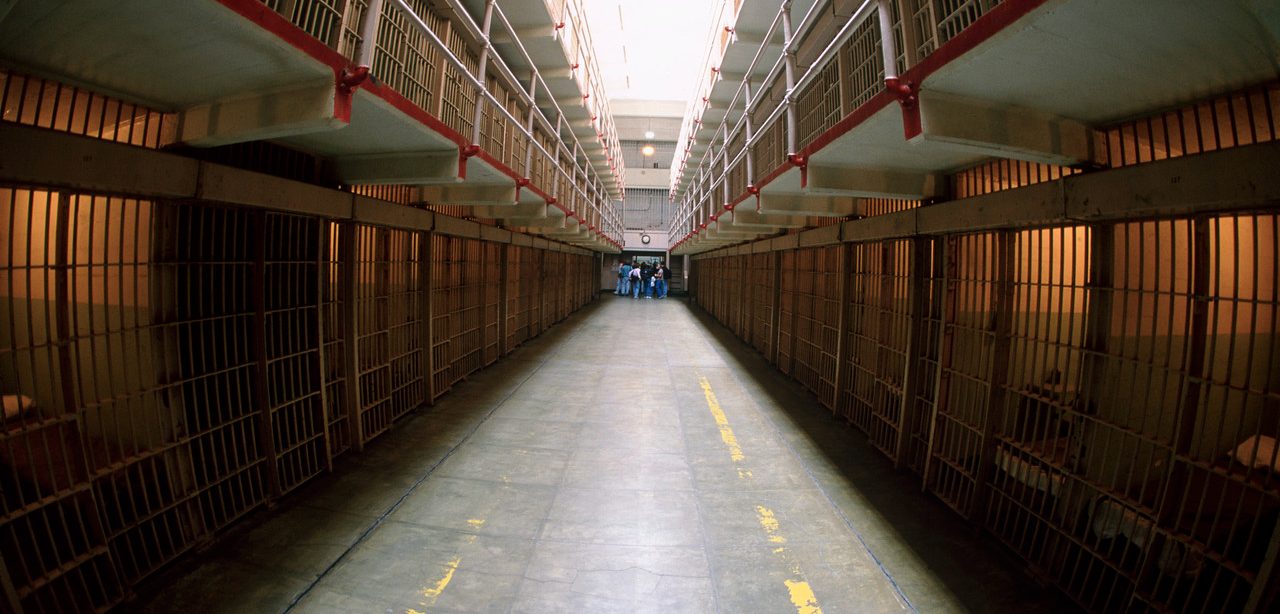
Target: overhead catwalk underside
<point>471,109</point>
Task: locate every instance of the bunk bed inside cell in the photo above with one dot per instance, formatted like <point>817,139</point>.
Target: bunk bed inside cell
<point>1040,433</point>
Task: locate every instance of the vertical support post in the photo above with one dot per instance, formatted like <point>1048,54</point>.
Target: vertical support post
<point>426,277</point>
<point>262,398</point>
<point>888,47</point>
<point>528,126</point>
<point>348,257</point>
<point>1005,254</point>
<point>322,248</point>
<point>944,266</point>
<point>917,295</point>
<point>504,296</point>
<point>62,292</point>
<point>1100,297</point>
<point>789,65</point>
<point>1194,369</point>
<point>776,317</point>
<point>748,103</point>
<point>369,33</point>
<point>844,270</point>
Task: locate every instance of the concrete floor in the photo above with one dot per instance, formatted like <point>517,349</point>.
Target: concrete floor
<point>636,458</point>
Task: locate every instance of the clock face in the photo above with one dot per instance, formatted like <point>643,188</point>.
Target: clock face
<point>644,239</point>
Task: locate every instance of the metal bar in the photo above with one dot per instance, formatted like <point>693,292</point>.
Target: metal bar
<point>62,292</point>
<point>943,264</point>
<point>479,86</point>
<point>775,314</point>
<point>262,403</point>
<point>321,280</point>
<point>1002,309</point>
<point>504,293</point>
<point>351,332</point>
<point>842,325</point>
<point>888,47</point>
<point>482,76</point>
<point>917,292</point>
<point>426,284</point>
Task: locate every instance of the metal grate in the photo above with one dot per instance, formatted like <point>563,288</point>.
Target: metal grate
<point>883,206</point>
<point>1001,174</point>
<point>458,98</point>
<point>786,312</point>
<point>929,301</point>
<point>333,314</point>
<point>517,314</point>
<point>406,61</point>
<point>292,353</point>
<point>877,323</point>
<point>1102,397</point>
<point>33,101</point>
<point>815,324</point>
<point>168,367</point>
<point>1233,120</point>
<point>491,316</point>
<point>389,306</point>
<point>764,285</point>
<point>953,16</point>
<point>319,18</point>
<point>1035,441</point>
<point>818,106</point>
<point>646,209</point>
<point>861,62</point>
<point>976,265</point>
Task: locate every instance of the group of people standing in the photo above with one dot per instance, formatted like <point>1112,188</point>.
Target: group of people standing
<point>642,279</point>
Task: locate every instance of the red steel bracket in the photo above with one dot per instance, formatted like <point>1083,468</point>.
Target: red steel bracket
<point>907,95</point>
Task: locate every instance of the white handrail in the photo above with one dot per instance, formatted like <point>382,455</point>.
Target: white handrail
<point>480,88</point>
<point>680,179</point>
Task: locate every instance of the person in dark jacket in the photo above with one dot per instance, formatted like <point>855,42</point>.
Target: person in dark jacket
<point>646,273</point>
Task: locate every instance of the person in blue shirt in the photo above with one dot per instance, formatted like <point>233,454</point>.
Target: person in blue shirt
<point>624,279</point>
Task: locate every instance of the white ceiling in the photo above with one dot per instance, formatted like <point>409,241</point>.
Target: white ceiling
<point>650,49</point>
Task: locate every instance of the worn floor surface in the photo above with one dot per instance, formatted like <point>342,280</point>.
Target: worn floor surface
<point>635,458</point>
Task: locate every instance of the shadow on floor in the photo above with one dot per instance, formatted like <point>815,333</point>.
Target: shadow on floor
<point>274,556</point>
<point>924,536</point>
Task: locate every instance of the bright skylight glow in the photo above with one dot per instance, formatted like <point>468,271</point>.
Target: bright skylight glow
<point>650,49</point>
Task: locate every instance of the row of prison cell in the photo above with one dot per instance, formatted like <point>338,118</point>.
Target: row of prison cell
<point>406,61</point>
<point>1104,399</point>
<point>169,367</point>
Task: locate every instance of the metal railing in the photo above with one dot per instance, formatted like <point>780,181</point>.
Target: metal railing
<point>773,116</point>
<point>482,95</point>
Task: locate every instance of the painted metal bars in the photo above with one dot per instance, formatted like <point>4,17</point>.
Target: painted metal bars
<point>1100,398</point>
<point>168,367</point>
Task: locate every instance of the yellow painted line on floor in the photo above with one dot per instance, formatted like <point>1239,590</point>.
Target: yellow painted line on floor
<point>431,594</point>
<point>802,597</point>
<point>798,588</point>
<point>726,433</point>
